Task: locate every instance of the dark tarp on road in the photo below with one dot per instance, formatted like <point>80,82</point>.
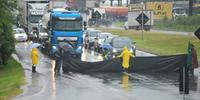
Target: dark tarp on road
<point>137,64</point>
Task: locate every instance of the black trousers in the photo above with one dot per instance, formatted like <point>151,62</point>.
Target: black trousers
<point>58,64</point>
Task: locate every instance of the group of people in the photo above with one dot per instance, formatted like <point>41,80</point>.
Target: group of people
<point>57,55</point>
<point>125,55</point>
<point>89,45</point>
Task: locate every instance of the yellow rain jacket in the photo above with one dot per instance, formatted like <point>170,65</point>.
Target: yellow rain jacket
<point>34,56</point>
<point>125,57</point>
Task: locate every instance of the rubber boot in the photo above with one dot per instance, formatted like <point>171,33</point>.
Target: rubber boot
<point>33,69</point>
<point>125,70</point>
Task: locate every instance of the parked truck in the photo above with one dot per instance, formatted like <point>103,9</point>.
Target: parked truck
<point>32,11</point>
<point>178,11</point>
<point>135,20</point>
<point>66,26</point>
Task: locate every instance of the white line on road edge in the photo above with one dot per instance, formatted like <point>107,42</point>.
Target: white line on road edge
<point>142,53</point>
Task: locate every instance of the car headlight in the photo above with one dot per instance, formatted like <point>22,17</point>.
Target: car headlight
<point>131,50</point>
<point>54,49</point>
<point>79,49</point>
<point>114,50</point>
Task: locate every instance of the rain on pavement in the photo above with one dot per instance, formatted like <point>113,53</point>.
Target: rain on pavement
<point>45,85</point>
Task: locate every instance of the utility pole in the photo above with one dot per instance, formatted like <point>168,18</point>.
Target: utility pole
<point>52,4</point>
<point>126,3</point>
<point>119,3</point>
<point>190,7</point>
<point>142,21</point>
<point>111,3</point>
<point>142,25</point>
<point>27,13</point>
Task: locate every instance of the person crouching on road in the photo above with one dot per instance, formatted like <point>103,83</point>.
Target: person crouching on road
<point>34,56</point>
<point>125,58</point>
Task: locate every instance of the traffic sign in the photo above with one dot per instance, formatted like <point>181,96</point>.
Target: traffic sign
<point>197,33</point>
<point>96,15</point>
<point>143,17</point>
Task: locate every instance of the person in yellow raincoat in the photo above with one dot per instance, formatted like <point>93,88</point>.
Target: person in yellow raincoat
<point>125,58</point>
<point>34,55</point>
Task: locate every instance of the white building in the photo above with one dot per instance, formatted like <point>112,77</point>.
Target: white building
<point>115,2</point>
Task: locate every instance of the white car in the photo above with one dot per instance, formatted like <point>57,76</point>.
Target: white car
<point>126,26</point>
<point>103,36</point>
<point>43,35</point>
<point>20,34</point>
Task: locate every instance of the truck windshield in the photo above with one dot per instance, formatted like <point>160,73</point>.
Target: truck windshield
<point>35,18</point>
<point>179,11</point>
<point>65,25</point>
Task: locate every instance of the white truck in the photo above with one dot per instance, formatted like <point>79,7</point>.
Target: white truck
<point>32,12</point>
<point>178,11</point>
<point>135,20</point>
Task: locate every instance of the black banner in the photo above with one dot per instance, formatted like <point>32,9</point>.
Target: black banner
<point>137,64</point>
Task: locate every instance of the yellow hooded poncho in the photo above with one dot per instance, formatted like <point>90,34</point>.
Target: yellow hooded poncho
<point>34,56</point>
<point>125,57</point>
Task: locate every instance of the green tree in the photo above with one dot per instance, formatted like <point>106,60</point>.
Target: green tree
<point>7,43</point>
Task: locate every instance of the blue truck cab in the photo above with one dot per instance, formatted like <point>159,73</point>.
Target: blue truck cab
<point>67,26</point>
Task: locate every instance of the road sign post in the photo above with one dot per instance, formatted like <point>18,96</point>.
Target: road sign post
<point>142,25</point>
<point>142,19</point>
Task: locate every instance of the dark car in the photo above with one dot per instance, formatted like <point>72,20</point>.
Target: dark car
<point>118,43</point>
<point>105,45</point>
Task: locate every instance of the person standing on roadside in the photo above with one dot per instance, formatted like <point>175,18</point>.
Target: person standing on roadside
<point>34,56</point>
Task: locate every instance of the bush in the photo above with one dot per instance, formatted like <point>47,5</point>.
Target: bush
<point>7,43</point>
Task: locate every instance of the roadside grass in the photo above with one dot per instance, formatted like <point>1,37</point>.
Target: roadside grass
<point>172,25</point>
<point>118,24</point>
<point>159,43</point>
<point>11,78</point>
<point>188,24</point>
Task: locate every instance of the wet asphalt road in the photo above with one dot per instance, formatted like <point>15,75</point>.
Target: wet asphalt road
<point>45,85</point>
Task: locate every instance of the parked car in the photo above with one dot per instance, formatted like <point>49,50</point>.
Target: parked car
<point>106,45</point>
<point>103,36</point>
<point>34,34</point>
<point>118,43</point>
<point>20,34</point>
<point>43,35</point>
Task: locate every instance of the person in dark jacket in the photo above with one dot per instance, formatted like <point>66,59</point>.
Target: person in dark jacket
<point>194,59</point>
<point>58,60</point>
